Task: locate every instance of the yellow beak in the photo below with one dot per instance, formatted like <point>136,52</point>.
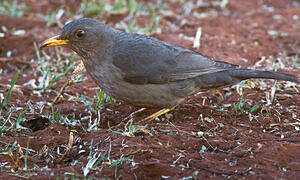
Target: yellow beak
<point>54,41</point>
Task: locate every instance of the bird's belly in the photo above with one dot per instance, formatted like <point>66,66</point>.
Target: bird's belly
<point>150,95</point>
<point>142,95</point>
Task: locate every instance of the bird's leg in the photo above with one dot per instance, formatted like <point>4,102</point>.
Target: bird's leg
<point>157,114</point>
<point>130,118</point>
<point>132,115</point>
<point>78,69</point>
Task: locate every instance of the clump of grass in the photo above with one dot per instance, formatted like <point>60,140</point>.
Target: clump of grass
<point>12,9</point>
<point>9,147</point>
<point>295,63</point>
<point>93,160</point>
<point>11,88</point>
<point>96,159</point>
<point>116,163</point>
<point>222,4</point>
<point>6,122</point>
<point>49,73</point>
<point>103,98</point>
<point>118,5</point>
<point>91,8</point>
<point>132,130</point>
<point>94,7</point>
<point>53,17</point>
<point>239,105</point>
<point>134,27</point>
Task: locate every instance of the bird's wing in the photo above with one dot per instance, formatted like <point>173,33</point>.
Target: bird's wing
<point>191,64</point>
<point>143,60</point>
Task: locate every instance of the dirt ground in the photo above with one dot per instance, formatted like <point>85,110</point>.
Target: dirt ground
<point>246,131</point>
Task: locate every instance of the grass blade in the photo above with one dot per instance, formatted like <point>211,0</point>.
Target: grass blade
<point>10,89</point>
<point>118,162</point>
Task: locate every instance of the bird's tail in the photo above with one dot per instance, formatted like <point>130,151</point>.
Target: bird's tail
<point>249,73</point>
<point>233,76</point>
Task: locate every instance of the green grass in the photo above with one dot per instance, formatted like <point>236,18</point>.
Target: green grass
<point>9,147</point>
<point>220,3</point>
<point>6,122</point>
<point>132,130</point>
<point>91,8</point>
<point>103,98</point>
<point>295,63</point>
<point>136,10</point>
<point>12,9</point>
<point>11,88</point>
<point>53,17</point>
<point>239,105</point>
<point>49,73</point>
<point>116,163</point>
<point>97,7</point>
<point>26,156</point>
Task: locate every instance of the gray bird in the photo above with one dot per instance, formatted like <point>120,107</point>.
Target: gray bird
<point>144,71</point>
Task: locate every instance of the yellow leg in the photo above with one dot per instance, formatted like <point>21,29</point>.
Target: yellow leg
<point>157,114</point>
<point>129,118</point>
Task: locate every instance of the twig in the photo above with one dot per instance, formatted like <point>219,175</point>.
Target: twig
<point>78,69</point>
<point>221,171</point>
<point>196,43</point>
<point>15,163</point>
<point>61,92</point>
<point>31,150</point>
<point>69,147</point>
<point>287,140</point>
<point>285,124</point>
<point>137,152</point>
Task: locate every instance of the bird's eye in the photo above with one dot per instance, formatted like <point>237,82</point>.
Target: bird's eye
<point>79,34</point>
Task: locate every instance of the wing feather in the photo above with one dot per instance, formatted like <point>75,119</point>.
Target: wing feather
<point>143,60</point>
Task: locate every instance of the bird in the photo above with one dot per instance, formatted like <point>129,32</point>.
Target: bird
<point>146,72</point>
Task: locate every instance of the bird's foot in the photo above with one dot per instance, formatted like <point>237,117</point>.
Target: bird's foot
<point>129,118</point>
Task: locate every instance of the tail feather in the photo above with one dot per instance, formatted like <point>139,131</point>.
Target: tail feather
<point>234,76</point>
<point>249,73</point>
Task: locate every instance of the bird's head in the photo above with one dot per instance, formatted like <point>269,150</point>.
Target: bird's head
<point>84,36</point>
